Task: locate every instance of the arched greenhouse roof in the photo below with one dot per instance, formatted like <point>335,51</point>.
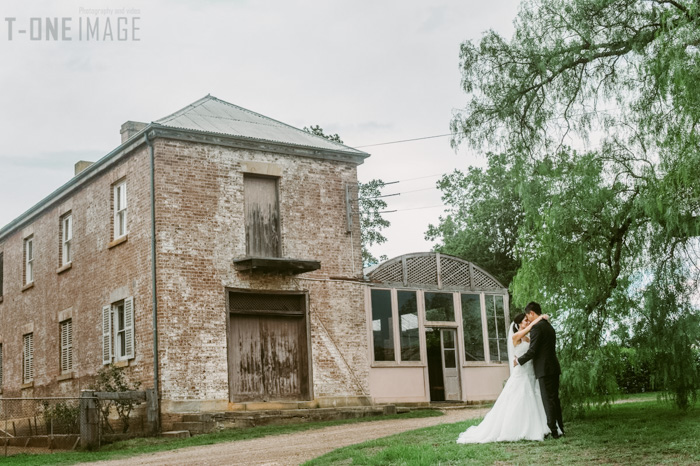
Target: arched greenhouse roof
<point>433,270</point>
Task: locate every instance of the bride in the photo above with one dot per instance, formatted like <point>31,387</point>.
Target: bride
<point>518,413</point>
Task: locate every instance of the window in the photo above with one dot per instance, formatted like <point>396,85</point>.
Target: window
<point>66,346</point>
<point>29,260</point>
<point>473,328</point>
<point>262,218</point>
<point>120,206</point>
<point>495,322</point>
<point>65,246</point>
<point>408,317</point>
<point>118,331</point>
<point>439,307</point>
<point>382,325</point>
<point>1,272</point>
<point>28,359</point>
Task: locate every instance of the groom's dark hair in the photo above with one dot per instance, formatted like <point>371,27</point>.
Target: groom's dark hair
<point>534,307</point>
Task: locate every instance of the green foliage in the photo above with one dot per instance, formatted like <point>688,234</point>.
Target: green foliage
<point>607,238</point>
<point>484,213</point>
<point>62,417</point>
<point>112,379</point>
<point>318,131</point>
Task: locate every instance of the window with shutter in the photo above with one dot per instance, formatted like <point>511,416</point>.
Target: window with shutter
<point>66,346</point>
<point>28,359</point>
<point>122,321</point>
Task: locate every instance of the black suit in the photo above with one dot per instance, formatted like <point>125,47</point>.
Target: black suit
<point>543,340</point>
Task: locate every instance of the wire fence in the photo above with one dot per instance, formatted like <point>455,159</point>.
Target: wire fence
<point>43,425</point>
<point>38,425</point>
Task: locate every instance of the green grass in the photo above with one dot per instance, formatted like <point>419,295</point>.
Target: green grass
<point>645,432</point>
<point>139,446</point>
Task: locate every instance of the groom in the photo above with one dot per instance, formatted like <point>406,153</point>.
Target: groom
<point>543,354</point>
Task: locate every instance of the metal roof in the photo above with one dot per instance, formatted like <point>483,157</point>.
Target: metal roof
<point>212,115</point>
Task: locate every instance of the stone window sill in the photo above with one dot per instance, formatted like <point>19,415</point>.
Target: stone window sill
<point>27,286</point>
<point>66,376</point>
<point>124,363</point>
<point>64,268</point>
<point>27,385</point>
<point>118,241</point>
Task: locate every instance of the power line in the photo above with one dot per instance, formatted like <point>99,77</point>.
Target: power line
<point>414,208</point>
<point>404,140</point>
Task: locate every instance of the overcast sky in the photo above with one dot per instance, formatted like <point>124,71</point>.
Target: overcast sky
<point>371,71</point>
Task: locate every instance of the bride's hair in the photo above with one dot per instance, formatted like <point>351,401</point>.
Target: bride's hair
<point>516,322</point>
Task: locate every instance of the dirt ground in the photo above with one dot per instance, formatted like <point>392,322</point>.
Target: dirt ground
<point>292,449</point>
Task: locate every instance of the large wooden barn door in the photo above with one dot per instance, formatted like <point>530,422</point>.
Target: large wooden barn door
<point>268,348</point>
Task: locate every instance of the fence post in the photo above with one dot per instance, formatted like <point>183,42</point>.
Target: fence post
<point>89,420</point>
<point>152,411</point>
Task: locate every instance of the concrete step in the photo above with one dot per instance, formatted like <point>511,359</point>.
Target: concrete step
<point>194,427</point>
<point>177,434</point>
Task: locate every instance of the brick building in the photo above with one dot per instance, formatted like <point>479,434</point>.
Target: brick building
<point>257,268</point>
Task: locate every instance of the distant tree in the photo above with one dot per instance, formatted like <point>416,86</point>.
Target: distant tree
<point>370,206</point>
<point>483,214</point>
<point>610,235</point>
<point>371,220</point>
<point>318,131</point>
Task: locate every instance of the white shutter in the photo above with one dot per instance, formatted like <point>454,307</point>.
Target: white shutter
<point>66,346</point>
<point>129,327</point>
<point>28,358</point>
<point>106,335</point>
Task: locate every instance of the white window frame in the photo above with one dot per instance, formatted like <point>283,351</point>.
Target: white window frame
<point>66,327</point>
<point>29,260</point>
<point>120,210</point>
<point>28,358</point>
<point>66,239</point>
<point>118,339</point>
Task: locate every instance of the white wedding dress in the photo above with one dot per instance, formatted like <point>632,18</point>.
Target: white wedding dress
<point>518,413</point>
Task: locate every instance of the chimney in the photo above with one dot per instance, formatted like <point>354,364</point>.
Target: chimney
<point>82,165</point>
<point>130,128</point>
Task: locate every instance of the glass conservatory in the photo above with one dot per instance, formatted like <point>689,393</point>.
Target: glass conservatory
<point>438,327</point>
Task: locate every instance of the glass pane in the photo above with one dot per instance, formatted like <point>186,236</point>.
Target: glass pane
<point>502,327</point>
<point>472,325</point>
<point>408,317</point>
<point>450,360</point>
<point>493,349</point>
<point>382,326</point>
<point>448,339</point>
<point>439,307</point>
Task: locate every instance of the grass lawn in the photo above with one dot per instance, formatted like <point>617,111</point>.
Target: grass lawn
<point>644,432</point>
<point>147,445</point>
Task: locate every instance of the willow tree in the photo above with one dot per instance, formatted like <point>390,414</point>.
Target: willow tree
<point>597,104</point>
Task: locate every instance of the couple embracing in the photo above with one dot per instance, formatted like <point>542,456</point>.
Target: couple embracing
<point>528,408</point>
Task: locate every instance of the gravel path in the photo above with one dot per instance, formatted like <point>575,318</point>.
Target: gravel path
<point>292,449</point>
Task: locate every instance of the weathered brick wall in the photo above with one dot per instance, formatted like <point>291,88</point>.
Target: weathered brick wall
<point>98,275</point>
<point>200,219</point>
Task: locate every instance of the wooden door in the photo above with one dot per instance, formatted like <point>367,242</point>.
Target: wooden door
<point>262,220</point>
<point>268,353</point>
